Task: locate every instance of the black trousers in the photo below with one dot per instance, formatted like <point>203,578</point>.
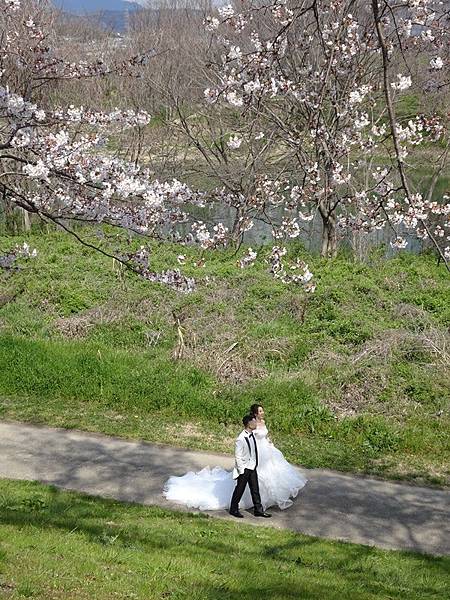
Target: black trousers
<point>250,477</point>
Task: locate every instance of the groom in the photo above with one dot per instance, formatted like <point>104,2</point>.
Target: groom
<point>246,463</point>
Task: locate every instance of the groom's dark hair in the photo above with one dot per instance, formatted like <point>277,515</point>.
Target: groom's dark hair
<point>246,420</point>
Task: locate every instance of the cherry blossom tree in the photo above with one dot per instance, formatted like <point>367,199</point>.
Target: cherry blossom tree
<point>324,80</point>
<point>54,162</point>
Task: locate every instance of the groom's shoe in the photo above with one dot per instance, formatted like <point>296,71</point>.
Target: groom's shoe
<point>262,514</point>
<point>237,514</point>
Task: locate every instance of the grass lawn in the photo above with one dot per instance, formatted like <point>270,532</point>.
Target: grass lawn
<point>355,377</point>
<point>56,544</point>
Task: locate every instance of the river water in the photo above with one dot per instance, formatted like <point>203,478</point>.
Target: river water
<point>311,236</point>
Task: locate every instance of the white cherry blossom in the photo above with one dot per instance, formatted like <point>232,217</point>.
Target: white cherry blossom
<point>403,82</point>
<point>234,142</point>
<point>436,63</point>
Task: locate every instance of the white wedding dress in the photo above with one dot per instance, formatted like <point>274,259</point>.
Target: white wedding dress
<point>211,489</point>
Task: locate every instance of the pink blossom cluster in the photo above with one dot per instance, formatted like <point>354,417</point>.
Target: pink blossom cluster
<point>207,239</point>
<point>297,273</point>
<point>7,261</point>
<point>140,259</point>
<point>248,259</point>
<point>55,162</point>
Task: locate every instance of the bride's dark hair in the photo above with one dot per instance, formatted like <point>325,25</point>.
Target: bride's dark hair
<point>254,409</point>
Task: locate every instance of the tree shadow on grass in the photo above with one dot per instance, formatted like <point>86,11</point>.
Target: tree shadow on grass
<point>269,564</point>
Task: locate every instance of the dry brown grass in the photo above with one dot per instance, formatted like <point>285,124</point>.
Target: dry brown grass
<point>364,375</point>
<point>215,340</point>
<point>220,350</point>
<point>77,326</point>
<point>412,313</point>
<point>413,468</point>
<point>186,433</point>
<point>402,342</point>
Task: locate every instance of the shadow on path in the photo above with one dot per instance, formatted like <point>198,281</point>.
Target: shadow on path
<point>332,505</point>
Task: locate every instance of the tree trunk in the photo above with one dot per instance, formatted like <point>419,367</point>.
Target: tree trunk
<point>10,218</point>
<point>327,209</point>
<point>236,230</point>
<point>329,236</point>
<point>26,220</point>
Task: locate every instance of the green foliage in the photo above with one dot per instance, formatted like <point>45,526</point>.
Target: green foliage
<point>284,401</point>
<point>419,384</point>
<point>314,418</point>
<point>350,330</point>
<point>92,373</point>
<point>303,345</point>
<point>372,434</point>
<point>408,105</point>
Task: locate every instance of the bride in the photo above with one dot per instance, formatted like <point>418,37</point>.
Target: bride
<point>211,489</point>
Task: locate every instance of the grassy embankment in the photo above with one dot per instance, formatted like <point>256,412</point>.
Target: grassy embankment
<point>56,544</point>
<point>355,379</point>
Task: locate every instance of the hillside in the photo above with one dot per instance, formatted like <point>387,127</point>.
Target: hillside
<point>355,378</point>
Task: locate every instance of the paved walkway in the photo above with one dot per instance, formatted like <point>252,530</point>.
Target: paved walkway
<point>332,505</point>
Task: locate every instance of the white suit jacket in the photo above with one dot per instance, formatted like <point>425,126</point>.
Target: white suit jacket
<point>243,458</point>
